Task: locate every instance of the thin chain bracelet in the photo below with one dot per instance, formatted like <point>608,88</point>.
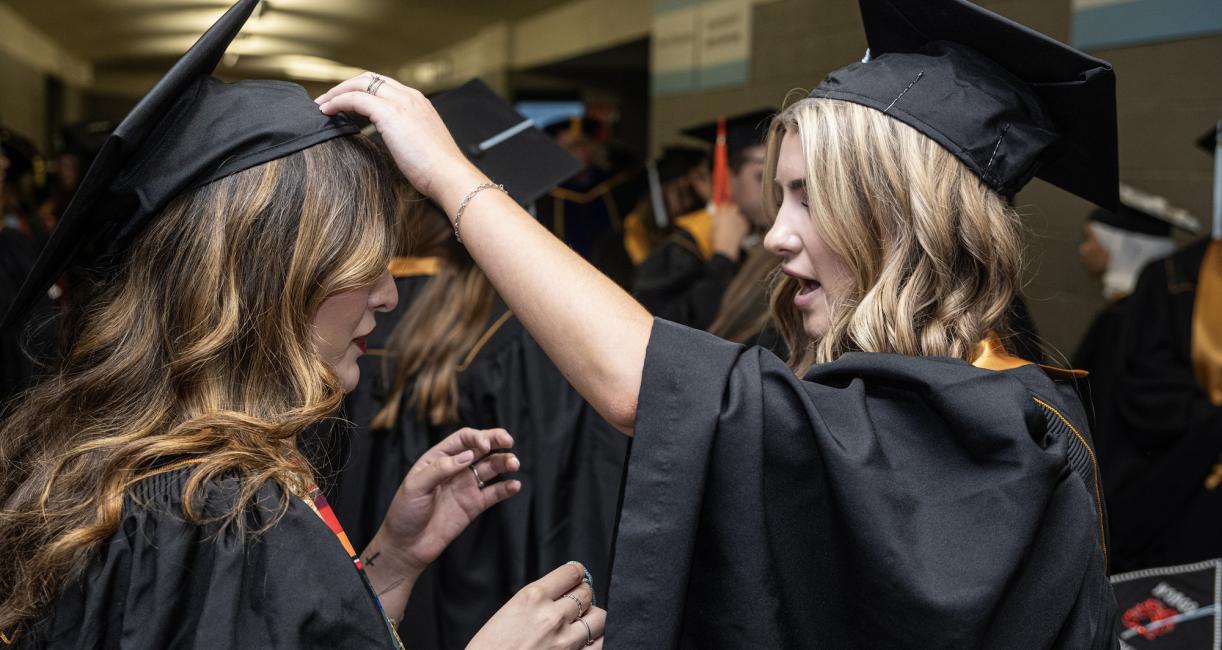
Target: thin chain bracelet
<point>467,199</point>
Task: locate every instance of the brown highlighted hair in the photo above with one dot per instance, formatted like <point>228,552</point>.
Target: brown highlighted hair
<point>743,313</point>
<point>430,344</point>
<point>199,352</point>
<point>935,255</point>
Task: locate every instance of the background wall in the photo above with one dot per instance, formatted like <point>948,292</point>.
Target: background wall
<point>1169,92</point>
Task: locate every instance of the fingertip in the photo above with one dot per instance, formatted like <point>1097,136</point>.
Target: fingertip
<point>465,457</point>
<point>513,464</point>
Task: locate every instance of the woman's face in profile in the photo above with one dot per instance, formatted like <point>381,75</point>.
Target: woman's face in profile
<point>345,319</point>
<point>822,275</point>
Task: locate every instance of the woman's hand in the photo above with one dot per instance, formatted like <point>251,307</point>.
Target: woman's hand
<point>414,133</point>
<point>442,493</point>
<point>730,227</point>
<point>544,615</point>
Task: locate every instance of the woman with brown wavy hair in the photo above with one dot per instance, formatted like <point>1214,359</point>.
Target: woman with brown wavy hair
<point>153,494</point>
<point>915,486</point>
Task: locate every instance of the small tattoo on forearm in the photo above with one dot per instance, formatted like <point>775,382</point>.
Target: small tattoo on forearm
<point>369,559</point>
<point>391,586</point>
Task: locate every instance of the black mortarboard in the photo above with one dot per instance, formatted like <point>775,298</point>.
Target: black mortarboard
<point>1146,213</point>
<point>503,144</point>
<point>85,139</point>
<point>189,130</point>
<point>742,131</point>
<point>23,156</point>
<point>1008,101</point>
<point>1208,142</point>
<point>677,161</point>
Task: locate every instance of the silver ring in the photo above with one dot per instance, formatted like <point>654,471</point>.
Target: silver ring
<point>374,85</point>
<point>589,632</point>
<point>478,480</point>
<point>580,609</point>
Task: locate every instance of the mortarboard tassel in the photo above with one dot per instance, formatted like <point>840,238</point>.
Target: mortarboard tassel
<point>721,166</point>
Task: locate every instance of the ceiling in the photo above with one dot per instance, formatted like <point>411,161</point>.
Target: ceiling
<point>319,40</point>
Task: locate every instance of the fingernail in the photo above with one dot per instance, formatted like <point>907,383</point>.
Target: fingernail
<point>514,464</point>
<point>465,457</point>
<point>588,579</point>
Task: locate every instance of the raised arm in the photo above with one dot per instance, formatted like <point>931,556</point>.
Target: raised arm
<point>592,330</point>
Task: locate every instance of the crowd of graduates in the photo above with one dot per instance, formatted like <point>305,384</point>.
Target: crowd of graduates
<point>684,234</point>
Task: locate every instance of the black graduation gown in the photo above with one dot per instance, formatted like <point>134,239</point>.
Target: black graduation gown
<point>883,501</point>
<point>676,283</point>
<point>1163,433</point>
<point>572,463</point>
<point>1100,353</point>
<point>160,582</point>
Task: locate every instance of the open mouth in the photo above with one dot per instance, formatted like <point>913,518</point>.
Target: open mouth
<point>806,287</point>
<point>360,343</point>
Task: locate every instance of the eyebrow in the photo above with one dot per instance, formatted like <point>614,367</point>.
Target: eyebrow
<point>795,185</point>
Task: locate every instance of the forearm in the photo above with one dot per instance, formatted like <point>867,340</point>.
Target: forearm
<point>391,578</point>
<point>593,331</point>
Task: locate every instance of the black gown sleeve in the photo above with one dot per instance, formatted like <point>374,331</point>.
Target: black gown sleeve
<point>885,501</point>
<point>677,284</point>
<point>160,582</point>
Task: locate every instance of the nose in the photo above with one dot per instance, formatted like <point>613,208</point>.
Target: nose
<point>385,295</point>
<point>781,239</point>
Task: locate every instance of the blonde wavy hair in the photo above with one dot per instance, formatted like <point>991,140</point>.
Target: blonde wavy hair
<point>934,254</point>
<point>200,353</point>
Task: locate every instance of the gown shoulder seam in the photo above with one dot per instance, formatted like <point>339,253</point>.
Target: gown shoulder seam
<point>1098,493</point>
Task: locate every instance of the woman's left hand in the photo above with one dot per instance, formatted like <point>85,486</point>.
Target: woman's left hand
<point>436,501</point>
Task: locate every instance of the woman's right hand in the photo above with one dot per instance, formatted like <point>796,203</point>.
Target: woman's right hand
<point>414,134</point>
<point>543,615</point>
<point>730,227</point>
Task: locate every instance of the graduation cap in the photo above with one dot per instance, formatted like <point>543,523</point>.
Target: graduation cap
<point>676,161</point>
<point>84,139</point>
<point>189,130</point>
<point>1212,143</point>
<point>503,144</point>
<point>1208,142</point>
<point>742,131</point>
<point>1147,214</point>
<point>1009,102</point>
<point>23,157</point>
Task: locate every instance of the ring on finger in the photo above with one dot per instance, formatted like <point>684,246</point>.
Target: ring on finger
<point>479,481</point>
<point>580,608</point>
<point>375,84</point>
<point>589,632</point>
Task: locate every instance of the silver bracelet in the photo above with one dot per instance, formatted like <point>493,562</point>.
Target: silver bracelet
<point>467,199</point>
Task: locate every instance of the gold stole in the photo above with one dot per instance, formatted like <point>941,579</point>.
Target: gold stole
<point>1207,325</point>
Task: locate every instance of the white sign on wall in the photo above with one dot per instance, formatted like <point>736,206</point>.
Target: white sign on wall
<point>699,44</point>
<point>724,52</point>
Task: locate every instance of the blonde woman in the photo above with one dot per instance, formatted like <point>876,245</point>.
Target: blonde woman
<point>915,486</point>
<point>152,492</point>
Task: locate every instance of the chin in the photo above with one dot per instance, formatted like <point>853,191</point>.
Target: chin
<point>815,326</point>
<point>349,378</point>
